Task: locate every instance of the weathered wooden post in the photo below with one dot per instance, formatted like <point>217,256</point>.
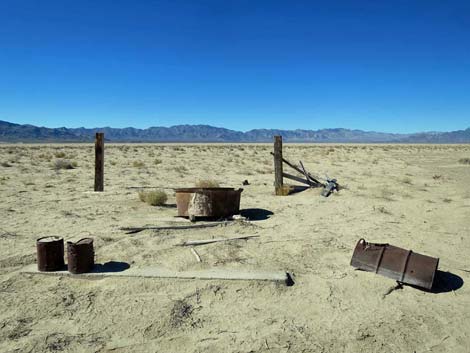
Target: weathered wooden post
<point>99,161</point>
<point>278,183</point>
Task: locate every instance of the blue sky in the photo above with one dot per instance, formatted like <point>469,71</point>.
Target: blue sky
<point>396,66</point>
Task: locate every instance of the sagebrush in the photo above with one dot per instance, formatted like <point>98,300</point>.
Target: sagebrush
<point>153,198</point>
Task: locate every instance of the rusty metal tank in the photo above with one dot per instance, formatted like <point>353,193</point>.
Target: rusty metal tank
<point>80,256</point>
<point>402,265</point>
<point>50,253</point>
<point>208,202</point>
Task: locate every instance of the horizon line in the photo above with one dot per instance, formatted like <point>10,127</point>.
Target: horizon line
<point>221,127</point>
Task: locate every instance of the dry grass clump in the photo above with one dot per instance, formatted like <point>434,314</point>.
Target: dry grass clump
<point>264,171</point>
<point>407,180</point>
<point>386,194</point>
<point>464,161</point>
<point>138,164</point>
<point>382,209</point>
<point>45,156</point>
<point>5,164</point>
<point>285,190</point>
<point>207,183</point>
<point>64,164</point>
<point>153,198</point>
<point>181,169</point>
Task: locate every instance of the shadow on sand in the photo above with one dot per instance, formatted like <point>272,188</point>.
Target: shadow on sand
<point>111,266</point>
<point>256,214</point>
<point>444,282</point>
<point>169,205</point>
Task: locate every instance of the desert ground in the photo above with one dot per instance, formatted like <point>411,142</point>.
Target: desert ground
<point>412,196</point>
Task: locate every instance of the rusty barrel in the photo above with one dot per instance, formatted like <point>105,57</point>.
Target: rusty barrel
<point>80,256</point>
<point>208,202</point>
<point>393,262</point>
<point>50,253</point>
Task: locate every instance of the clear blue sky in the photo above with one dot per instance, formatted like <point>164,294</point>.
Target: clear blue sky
<point>397,66</point>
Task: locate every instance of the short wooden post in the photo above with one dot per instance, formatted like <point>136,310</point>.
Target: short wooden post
<point>278,182</point>
<point>99,161</point>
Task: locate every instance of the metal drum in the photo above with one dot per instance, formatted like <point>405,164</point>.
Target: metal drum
<point>50,253</point>
<point>80,256</point>
<point>208,202</point>
<point>393,262</point>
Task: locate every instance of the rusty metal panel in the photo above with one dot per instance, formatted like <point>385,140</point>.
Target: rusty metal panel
<point>208,202</point>
<point>80,256</point>
<point>50,253</point>
<point>393,262</point>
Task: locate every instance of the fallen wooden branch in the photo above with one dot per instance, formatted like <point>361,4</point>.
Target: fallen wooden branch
<point>305,173</point>
<point>157,272</point>
<point>152,187</point>
<point>215,240</point>
<point>293,166</point>
<point>198,258</point>
<point>296,178</point>
<point>132,230</point>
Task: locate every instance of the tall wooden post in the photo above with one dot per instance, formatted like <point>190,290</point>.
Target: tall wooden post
<point>99,161</point>
<point>278,165</point>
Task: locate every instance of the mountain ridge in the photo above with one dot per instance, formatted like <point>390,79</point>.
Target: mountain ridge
<point>12,132</point>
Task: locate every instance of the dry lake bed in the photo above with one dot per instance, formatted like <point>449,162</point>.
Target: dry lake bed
<point>412,196</point>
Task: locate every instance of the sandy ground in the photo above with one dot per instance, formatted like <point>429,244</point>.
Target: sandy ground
<point>415,197</point>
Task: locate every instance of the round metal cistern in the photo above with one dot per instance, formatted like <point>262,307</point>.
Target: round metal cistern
<point>50,253</point>
<point>80,256</point>
<point>213,203</point>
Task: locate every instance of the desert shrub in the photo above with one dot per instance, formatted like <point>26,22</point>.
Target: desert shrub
<point>264,171</point>
<point>154,198</point>
<point>181,169</point>
<point>157,161</point>
<point>267,162</point>
<point>207,183</point>
<point>138,164</point>
<point>45,156</point>
<point>382,209</point>
<point>407,180</point>
<point>464,161</point>
<point>386,194</point>
<point>64,164</point>
<point>5,164</point>
<point>59,154</point>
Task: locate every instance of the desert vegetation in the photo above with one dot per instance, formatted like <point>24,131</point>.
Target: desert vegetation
<point>153,198</point>
<point>464,161</point>
<point>207,183</point>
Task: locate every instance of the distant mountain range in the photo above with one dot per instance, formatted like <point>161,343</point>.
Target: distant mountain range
<point>10,132</point>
